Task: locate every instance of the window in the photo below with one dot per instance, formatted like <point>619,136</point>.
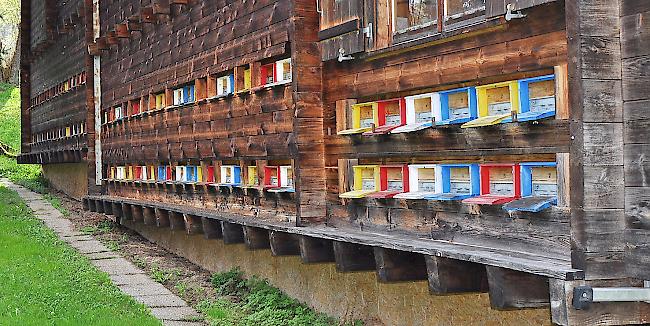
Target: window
<point>413,14</point>
<point>460,11</point>
<point>366,181</point>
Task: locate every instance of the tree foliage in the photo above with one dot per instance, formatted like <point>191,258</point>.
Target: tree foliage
<point>10,11</point>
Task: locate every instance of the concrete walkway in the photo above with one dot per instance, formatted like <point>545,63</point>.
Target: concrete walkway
<point>165,305</point>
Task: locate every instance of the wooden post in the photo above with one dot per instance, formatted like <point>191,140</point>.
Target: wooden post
<point>316,250</point>
<point>92,205</point>
<point>193,224</point>
<point>162,218</point>
<point>137,213</point>
<point>117,210</point>
<point>399,266</point>
<point>284,244</point>
<point>108,207</point>
<point>352,257</point>
<point>211,228</point>
<point>447,276</point>
<point>516,290</point>
<point>256,238</point>
<point>127,213</point>
<point>99,206</point>
<point>149,216</point>
<point>232,233</point>
<point>176,221</point>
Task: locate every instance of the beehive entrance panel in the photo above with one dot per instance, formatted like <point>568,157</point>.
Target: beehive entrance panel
<point>541,96</point>
<point>394,179</point>
<point>393,114</point>
<point>501,181</point>
<point>252,176</point>
<point>422,107</point>
<point>544,181</point>
<point>284,69</point>
<point>459,105</point>
<point>289,175</point>
<point>460,182</point>
<point>498,100</point>
<point>366,115</point>
<point>427,179</point>
<point>368,179</point>
<point>273,177</point>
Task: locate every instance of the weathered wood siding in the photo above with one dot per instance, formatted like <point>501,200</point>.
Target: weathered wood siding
<point>635,54</point>
<point>519,49</point>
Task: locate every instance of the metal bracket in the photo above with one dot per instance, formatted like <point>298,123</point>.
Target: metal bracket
<point>367,31</point>
<point>510,15</point>
<point>342,57</point>
<point>584,296</point>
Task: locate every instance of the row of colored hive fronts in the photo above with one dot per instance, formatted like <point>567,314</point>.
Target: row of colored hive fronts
<point>521,100</point>
<point>59,89</point>
<point>59,133</point>
<point>276,178</point>
<point>529,187</point>
<point>271,74</point>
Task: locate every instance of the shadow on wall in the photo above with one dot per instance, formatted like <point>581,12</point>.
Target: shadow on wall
<point>69,178</point>
<point>344,295</point>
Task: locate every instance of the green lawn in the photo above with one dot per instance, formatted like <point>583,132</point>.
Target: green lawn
<point>45,282</point>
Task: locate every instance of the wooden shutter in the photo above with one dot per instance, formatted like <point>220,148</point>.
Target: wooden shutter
<point>341,27</point>
<point>495,8</point>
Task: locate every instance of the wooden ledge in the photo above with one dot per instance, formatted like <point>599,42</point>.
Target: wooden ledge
<point>532,263</point>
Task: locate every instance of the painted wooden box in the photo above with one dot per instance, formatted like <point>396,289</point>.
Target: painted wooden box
<point>230,175</point>
<point>496,104</point>
<point>419,112</point>
<point>459,181</point>
<point>225,85</point>
<point>393,180</point>
<point>456,106</point>
<point>366,181</point>
<point>424,180</point>
<point>391,114</point>
<point>285,173</point>
<point>363,117</point>
<point>537,98</point>
<point>538,188</point>
<point>500,184</point>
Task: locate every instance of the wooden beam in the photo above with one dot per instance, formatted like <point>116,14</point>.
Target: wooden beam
<point>117,210</point>
<point>162,218</point>
<point>316,250</point>
<point>127,213</point>
<point>136,210</point>
<point>149,215</point>
<point>92,205</point>
<point>176,221</point>
<point>256,238</point>
<point>211,228</point>
<point>447,276</point>
<point>516,290</point>
<point>232,233</point>
<point>399,266</point>
<point>193,224</point>
<point>108,207</point>
<point>99,206</point>
<point>352,257</point>
<point>284,244</point>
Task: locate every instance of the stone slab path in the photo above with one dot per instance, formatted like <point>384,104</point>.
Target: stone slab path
<point>165,305</point>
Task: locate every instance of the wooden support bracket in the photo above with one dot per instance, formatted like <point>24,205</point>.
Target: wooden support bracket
<point>127,213</point>
<point>316,250</point>
<point>352,257</point>
<point>447,276</point>
<point>232,233</point>
<point>511,289</point>
<point>399,266</point>
<point>117,210</point>
<point>284,244</point>
<point>211,228</point>
<point>99,206</point>
<point>256,238</point>
<point>108,207</point>
<point>162,218</point>
<point>193,224</point>
<point>136,210</point>
<point>176,221</point>
<point>149,216</point>
<point>92,205</point>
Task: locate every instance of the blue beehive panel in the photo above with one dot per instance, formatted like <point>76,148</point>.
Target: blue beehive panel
<point>458,188</point>
<point>538,188</point>
<point>537,97</point>
<point>457,106</point>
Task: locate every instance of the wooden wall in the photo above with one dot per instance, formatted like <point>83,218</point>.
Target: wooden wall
<point>635,54</point>
<point>205,38</point>
<point>522,48</point>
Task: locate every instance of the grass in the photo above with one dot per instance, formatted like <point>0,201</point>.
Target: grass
<point>256,303</point>
<point>29,176</point>
<point>45,282</point>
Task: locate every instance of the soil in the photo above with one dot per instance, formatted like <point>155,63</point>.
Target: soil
<point>185,279</point>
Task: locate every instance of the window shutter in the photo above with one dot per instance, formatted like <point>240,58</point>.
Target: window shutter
<point>341,27</point>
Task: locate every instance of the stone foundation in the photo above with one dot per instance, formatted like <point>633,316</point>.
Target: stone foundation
<point>344,295</point>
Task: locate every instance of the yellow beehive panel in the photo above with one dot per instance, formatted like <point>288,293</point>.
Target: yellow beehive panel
<point>366,116</point>
<point>252,176</point>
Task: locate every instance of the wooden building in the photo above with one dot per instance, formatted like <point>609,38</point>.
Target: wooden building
<point>480,145</point>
